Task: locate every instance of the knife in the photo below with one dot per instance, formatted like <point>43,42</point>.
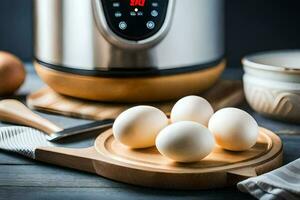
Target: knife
<point>15,112</point>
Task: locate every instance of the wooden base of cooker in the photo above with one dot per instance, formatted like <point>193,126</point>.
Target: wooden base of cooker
<point>133,89</point>
<point>146,167</point>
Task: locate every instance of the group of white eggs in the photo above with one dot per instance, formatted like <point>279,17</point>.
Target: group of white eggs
<point>191,132</point>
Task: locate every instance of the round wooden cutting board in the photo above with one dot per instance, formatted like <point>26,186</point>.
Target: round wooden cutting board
<point>146,167</point>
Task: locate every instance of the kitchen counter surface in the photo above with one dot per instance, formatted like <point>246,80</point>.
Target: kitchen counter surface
<point>21,178</point>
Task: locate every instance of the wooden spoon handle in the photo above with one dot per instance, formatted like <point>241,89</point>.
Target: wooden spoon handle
<point>15,112</point>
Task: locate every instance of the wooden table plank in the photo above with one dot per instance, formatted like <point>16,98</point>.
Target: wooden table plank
<point>42,175</point>
<point>9,158</point>
<point>128,193</point>
<point>291,150</point>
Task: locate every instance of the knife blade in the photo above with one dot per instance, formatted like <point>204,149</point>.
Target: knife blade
<point>85,128</point>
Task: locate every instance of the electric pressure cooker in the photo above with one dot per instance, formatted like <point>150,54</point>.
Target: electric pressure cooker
<point>129,50</point>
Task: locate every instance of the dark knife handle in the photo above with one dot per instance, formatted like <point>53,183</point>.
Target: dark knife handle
<point>85,128</point>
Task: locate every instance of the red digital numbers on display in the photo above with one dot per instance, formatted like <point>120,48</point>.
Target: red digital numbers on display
<point>137,2</point>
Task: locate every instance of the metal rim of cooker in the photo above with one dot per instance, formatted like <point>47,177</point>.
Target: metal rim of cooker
<point>131,72</point>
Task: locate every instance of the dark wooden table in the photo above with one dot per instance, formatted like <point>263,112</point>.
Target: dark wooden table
<point>21,178</point>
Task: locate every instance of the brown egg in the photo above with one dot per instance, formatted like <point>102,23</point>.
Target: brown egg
<point>12,73</point>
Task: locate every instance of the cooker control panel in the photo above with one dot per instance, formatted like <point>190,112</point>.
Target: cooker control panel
<point>135,19</point>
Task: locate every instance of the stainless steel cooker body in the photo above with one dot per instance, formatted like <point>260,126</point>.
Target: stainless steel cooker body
<point>107,37</point>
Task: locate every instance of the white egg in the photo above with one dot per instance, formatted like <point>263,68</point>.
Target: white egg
<point>234,129</point>
<point>192,108</point>
<point>185,141</point>
<point>138,126</point>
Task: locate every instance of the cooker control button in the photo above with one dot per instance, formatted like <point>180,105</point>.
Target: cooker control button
<point>154,4</point>
<point>140,13</point>
<point>150,25</point>
<point>118,14</point>
<point>132,13</point>
<point>116,4</point>
<point>154,13</point>
<point>122,25</point>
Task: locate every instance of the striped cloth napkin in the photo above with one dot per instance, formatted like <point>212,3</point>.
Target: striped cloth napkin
<point>282,183</point>
<point>22,140</point>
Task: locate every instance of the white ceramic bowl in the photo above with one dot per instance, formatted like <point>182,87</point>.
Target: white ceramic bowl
<point>272,83</point>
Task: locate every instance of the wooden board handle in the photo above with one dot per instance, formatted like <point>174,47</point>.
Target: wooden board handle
<point>80,159</point>
<point>15,112</point>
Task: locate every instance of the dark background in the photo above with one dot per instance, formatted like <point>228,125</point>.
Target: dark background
<point>251,25</point>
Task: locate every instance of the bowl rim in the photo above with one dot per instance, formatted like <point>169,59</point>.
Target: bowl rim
<point>293,87</point>
<point>248,61</point>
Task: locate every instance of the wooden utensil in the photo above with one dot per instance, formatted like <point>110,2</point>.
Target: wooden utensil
<point>146,167</point>
<point>15,112</point>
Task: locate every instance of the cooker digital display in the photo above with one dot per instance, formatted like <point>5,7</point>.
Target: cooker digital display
<point>137,3</point>
<point>135,19</point>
